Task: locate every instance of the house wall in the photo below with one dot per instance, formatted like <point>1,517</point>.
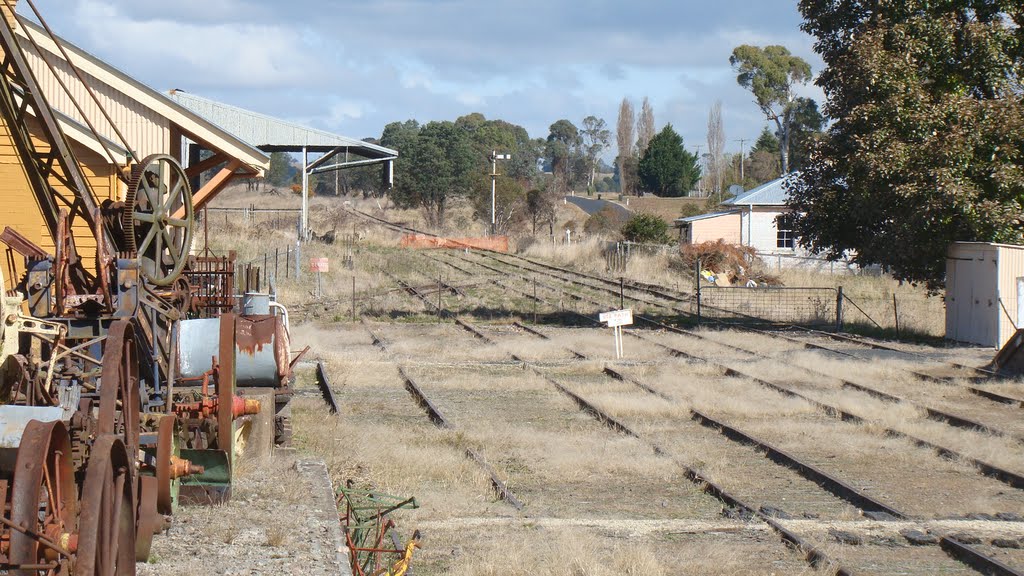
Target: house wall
<point>146,131</point>
<point>759,229</point>
<point>972,299</point>
<point>19,208</point>
<point>725,227</point>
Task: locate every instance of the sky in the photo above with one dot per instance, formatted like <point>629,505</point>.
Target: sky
<point>352,67</point>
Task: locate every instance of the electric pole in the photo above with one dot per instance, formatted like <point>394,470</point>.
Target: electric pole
<point>742,177</point>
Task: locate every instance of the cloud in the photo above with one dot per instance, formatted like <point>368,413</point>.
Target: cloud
<point>354,66</point>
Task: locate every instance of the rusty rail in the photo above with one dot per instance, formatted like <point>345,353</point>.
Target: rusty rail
<point>438,419</point>
<point>325,387</point>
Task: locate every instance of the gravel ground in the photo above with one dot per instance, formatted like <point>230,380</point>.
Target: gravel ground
<point>280,520</point>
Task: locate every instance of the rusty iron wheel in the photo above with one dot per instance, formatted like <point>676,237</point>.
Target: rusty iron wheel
<point>159,218</point>
<point>150,521</point>
<point>44,500</point>
<point>166,448</point>
<point>226,385</point>
<point>106,541</point>
<point>119,388</point>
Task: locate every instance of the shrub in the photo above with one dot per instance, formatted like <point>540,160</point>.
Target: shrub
<point>605,221</point>
<point>646,228</point>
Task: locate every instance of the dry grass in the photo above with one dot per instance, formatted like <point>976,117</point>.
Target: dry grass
<point>411,460</point>
<point>918,312</point>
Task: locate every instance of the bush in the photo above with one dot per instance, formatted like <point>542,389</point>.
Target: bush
<point>605,221</point>
<point>646,228</point>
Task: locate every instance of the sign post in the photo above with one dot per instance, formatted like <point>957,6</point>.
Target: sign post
<point>615,320</point>
<point>319,265</point>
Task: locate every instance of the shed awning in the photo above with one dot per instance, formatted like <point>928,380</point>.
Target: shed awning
<point>275,135</point>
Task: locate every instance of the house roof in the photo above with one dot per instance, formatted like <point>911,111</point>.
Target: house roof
<point>707,216</point>
<point>771,193</point>
<point>273,134</point>
<point>191,124</point>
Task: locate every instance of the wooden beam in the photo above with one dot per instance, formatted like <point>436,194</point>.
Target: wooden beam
<point>22,245</point>
<point>215,185</point>
<point>211,162</point>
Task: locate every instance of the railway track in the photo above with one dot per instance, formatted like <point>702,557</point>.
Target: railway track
<point>988,469</point>
<point>438,419</point>
<point>944,416</point>
<point>841,490</point>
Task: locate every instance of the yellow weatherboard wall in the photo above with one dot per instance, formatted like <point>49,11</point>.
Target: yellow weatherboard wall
<point>19,208</point>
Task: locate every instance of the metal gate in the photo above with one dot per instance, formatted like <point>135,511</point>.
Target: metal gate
<point>771,305</point>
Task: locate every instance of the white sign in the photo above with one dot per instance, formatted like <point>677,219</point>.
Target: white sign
<point>617,318</point>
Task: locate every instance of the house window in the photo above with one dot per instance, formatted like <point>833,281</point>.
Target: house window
<point>784,237</point>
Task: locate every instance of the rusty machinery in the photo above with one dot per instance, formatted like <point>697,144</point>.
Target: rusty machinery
<point>102,420</point>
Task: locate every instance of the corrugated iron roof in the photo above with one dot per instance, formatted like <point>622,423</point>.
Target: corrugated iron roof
<point>705,216</point>
<point>273,134</point>
<point>769,194</point>
<point>195,126</point>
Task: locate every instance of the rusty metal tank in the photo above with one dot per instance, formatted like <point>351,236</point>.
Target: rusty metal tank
<point>262,349</point>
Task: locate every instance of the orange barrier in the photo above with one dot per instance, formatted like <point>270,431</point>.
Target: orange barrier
<point>496,243</point>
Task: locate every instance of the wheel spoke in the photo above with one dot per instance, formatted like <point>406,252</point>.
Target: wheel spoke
<point>144,217</point>
<point>177,222</point>
<point>150,235</point>
<point>175,196</point>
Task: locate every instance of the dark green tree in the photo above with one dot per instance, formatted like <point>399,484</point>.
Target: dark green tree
<point>516,174</point>
<point>646,228</point>
<point>436,163</point>
<point>539,207</point>
<point>281,170</point>
<point>805,129</point>
<point>564,154</point>
<point>927,144</point>
<point>770,73</point>
<point>667,168</point>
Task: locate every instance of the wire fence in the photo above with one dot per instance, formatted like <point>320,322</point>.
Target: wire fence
<point>618,254</point>
<point>821,307</point>
<point>781,262</point>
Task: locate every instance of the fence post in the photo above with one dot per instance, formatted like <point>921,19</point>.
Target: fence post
<point>535,301</point>
<point>896,315</point>
<point>277,254</point>
<point>839,309</point>
<point>697,278</point>
<point>298,259</point>
<point>287,262</point>
<point>353,298</point>
<point>622,293</point>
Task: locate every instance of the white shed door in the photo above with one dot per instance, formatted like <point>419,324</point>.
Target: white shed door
<point>1020,303</point>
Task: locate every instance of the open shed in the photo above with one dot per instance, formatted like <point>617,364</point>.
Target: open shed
<point>984,292</point>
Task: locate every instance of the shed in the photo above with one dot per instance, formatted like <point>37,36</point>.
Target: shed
<point>984,292</point>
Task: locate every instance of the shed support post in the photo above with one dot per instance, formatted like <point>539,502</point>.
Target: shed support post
<point>305,195</point>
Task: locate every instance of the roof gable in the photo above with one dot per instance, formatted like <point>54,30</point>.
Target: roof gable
<point>772,193</point>
<point>123,87</point>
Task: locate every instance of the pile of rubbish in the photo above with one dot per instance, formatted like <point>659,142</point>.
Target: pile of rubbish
<point>724,264</point>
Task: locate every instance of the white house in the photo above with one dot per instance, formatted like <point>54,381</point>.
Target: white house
<point>759,218</point>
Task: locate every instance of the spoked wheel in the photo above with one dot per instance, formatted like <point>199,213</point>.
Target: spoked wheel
<point>106,542</point>
<point>166,449</point>
<point>150,521</point>
<point>158,218</point>
<point>45,502</point>
<point>119,388</point>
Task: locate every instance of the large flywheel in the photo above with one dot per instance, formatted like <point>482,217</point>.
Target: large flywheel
<point>159,218</point>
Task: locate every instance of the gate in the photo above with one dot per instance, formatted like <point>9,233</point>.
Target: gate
<point>821,307</point>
